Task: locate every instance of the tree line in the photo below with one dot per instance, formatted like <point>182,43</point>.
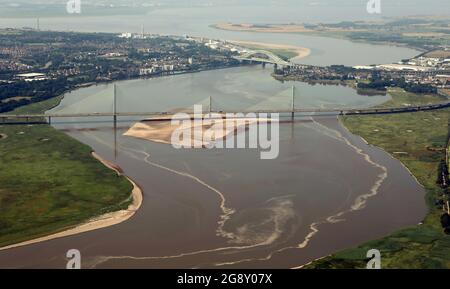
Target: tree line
<point>382,85</point>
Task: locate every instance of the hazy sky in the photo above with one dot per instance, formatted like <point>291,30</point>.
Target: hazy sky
<point>166,16</point>
<point>438,6</point>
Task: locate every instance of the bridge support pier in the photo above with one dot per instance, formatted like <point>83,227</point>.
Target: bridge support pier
<point>49,120</point>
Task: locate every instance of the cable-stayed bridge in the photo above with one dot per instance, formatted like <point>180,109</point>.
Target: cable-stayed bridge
<point>208,107</point>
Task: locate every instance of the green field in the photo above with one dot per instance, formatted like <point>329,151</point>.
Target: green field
<point>401,98</point>
<point>50,182</point>
<point>420,135</point>
<point>285,54</point>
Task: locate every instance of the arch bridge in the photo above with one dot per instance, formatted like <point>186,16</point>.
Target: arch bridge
<point>271,57</point>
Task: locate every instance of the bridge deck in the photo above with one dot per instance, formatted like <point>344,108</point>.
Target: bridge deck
<point>169,115</point>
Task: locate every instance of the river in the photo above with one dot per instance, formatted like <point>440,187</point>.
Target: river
<point>195,20</point>
<point>326,191</point>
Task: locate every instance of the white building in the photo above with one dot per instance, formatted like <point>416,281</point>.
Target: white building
<point>168,67</point>
<point>147,71</point>
<point>125,35</point>
<point>400,67</point>
<point>32,76</point>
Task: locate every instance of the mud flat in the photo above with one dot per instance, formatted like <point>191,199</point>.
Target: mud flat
<point>211,131</point>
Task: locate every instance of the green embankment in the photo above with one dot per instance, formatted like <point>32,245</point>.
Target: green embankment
<point>50,182</point>
<point>421,136</point>
<point>285,54</point>
<point>37,107</point>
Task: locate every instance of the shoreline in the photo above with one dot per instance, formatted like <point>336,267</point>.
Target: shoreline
<point>99,222</point>
<point>301,52</point>
<point>345,128</point>
<point>299,29</point>
<point>380,148</point>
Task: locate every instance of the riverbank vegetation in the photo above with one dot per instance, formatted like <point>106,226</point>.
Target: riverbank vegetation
<point>382,85</point>
<point>49,182</point>
<point>422,139</point>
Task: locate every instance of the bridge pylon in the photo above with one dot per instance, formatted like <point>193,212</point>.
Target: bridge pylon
<point>115,103</point>
<point>210,105</point>
<point>293,103</point>
<point>115,121</point>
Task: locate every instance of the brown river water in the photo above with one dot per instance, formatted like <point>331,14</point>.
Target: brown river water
<point>226,208</point>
